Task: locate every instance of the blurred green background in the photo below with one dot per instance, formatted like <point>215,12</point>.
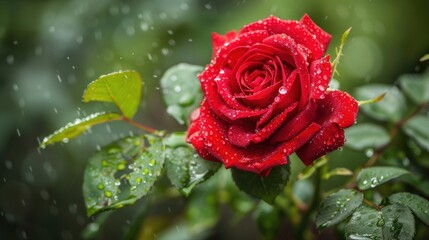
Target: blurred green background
<point>50,50</point>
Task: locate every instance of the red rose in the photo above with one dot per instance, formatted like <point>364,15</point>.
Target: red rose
<point>266,97</point>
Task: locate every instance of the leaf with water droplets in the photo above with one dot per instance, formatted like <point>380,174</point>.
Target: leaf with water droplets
<point>122,172</point>
<point>366,135</point>
<point>122,88</point>
<point>415,86</point>
<point>181,90</point>
<point>337,207</point>
<point>398,222</point>
<point>366,224</point>
<point>185,168</point>
<point>372,177</point>
<point>265,188</point>
<point>417,129</point>
<point>77,127</point>
<point>391,108</point>
<point>417,204</point>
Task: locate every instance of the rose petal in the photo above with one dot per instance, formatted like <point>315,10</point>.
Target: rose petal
<point>257,159</point>
<point>323,37</point>
<point>338,107</point>
<point>294,29</point>
<point>283,41</point>
<point>320,72</point>
<point>195,137</point>
<point>327,140</point>
<point>219,40</point>
<point>242,136</point>
<point>296,125</point>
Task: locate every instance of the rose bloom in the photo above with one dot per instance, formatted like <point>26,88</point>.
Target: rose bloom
<point>266,96</point>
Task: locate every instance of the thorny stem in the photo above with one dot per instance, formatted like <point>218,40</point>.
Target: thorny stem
<point>371,204</point>
<point>139,125</point>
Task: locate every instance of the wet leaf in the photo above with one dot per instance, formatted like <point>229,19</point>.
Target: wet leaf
<point>366,224</point>
<point>415,86</point>
<point>391,108</point>
<point>417,129</point>
<point>265,188</point>
<point>181,90</point>
<point>122,172</point>
<point>337,207</point>
<point>397,223</point>
<point>185,168</point>
<point>366,135</point>
<point>374,176</point>
<point>417,204</point>
<point>122,88</point>
<point>268,220</point>
<point>77,127</point>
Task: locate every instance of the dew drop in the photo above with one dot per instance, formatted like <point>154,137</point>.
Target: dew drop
<point>108,194</point>
<point>282,90</point>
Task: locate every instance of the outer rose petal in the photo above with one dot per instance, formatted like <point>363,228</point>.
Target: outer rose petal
<point>194,136</point>
<point>320,72</point>
<point>258,159</point>
<point>338,107</point>
<point>294,29</point>
<point>219,40</point>
<point>323,37</point>
<point>327,140</point>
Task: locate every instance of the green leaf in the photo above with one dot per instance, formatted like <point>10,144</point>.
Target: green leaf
<point>374,176</point>
<point>415,86</point>
<point>181,90</point>
<point>122,88</point>
<point>265,188</point>
<point>268,220</point>
<point>337,207</point>
<point>366,135</point>
<point>424,58</point>
<point>417,129</point>
<point>366,224</point>
<point>185,168</point>
<point>417,204</point>
<point>398,222</point>
<point>391,108</point>
<point>77,127</point>
<point>122,172</point>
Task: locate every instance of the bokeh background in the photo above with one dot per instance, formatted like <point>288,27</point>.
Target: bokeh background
<point>50,50</point>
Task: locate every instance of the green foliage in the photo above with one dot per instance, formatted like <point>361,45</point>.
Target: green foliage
<point>337,207</point>
<point>77,127</point>
<point>268,220</point>
<point>266,188</point>
<point>181,91</point>
<point>391,108</point>
<point>185,168</point>
<point>122,172</point>
<point>417,204</point>
<point>366,223</point>
<point>415,86</point>
<point>120,88</point>
<point>366,135</point>
<point>374,176</point>
<point>418,130</point>
<point>398,222</point>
